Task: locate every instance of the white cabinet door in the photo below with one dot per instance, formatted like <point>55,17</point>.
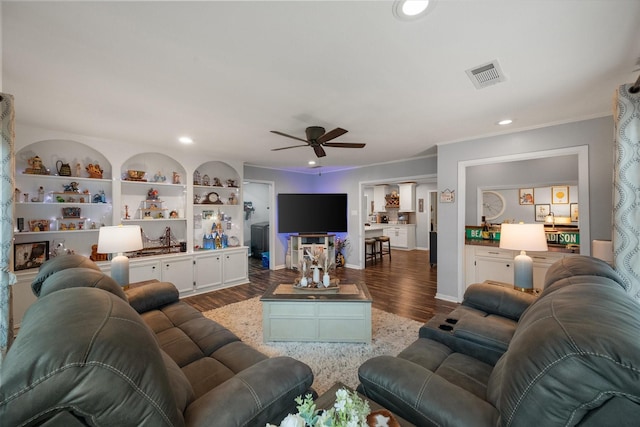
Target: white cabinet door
<point>235,267</point>
<point>397,236</point>
<point>379,201</point>
<point>407,192</point>
<point>140,271</point>
<point>208,271</point>
<point>179,271</point>
<point>496,269</point>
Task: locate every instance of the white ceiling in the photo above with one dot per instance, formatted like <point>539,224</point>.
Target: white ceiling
<point>226,73</point>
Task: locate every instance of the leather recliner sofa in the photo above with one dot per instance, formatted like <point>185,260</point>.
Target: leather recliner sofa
<point>573,358</point>
<point>89,354</point>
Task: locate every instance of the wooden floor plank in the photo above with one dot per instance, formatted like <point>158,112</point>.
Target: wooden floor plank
<point>405,285</point>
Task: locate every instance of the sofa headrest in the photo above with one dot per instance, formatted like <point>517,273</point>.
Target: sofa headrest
<point>152,296</point>
<point>574,349</point>
<point>80,278</point>
<point>60,263</point>
<point>580,265</point>
<point>86,352</point>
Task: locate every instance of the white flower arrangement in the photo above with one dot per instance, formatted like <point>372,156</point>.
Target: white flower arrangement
<point>348,411</point>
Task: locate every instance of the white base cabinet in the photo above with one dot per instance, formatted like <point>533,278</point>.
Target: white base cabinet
<point>401,236</point>
<point>491,263</point>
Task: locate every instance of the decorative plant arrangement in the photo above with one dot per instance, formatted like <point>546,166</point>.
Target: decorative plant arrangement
<point>349,410</point>
<point>310,268</point>
<point>341,246</point>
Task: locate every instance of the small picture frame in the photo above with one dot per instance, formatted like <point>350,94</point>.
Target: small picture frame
<point>573,209</point>
<point>542,211</point>
<point>560,194</point>
<point>30,255</point>
<point>525,196</point>
<point>420,205</point>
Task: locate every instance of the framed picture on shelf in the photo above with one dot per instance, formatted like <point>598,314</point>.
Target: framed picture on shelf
<point>30,255</point>
<point>525,196</point>
<point>560,195</point>
<point>573,209</point>
<point>542,211</point>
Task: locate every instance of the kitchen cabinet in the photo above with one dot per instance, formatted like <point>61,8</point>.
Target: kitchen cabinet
<point>401,236</point>
<point>379,200</point>
<point>407,191</point>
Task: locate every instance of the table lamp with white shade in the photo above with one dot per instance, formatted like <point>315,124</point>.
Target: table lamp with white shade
<point>523,237</point>
<point>119,239</point>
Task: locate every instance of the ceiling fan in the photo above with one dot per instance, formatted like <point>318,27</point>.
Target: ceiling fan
<point>317,138</point>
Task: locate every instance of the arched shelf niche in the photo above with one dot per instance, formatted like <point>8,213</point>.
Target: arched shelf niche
<point>79,156</point>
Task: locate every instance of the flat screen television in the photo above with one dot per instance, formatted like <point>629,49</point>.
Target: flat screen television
<point>309,213</point>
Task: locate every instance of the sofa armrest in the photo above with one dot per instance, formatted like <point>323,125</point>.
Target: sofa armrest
<point>500,300</point>
<point>420,396</point>
<point>152,296</point>
<point>255,396</point>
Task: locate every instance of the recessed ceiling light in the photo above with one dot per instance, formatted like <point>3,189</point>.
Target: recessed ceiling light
<point>408,10</point>
<point>312,162</point>
<point>505,122</point>
<point>185,140</point>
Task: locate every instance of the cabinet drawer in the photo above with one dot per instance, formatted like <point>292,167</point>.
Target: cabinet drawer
<point>492,252</point>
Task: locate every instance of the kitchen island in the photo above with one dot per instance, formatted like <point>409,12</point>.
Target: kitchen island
<point>402,236</point>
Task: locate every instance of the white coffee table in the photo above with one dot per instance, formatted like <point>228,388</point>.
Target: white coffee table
<point>291,315</point>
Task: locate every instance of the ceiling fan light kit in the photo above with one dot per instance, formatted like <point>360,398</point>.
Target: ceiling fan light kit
<point>317,138</point>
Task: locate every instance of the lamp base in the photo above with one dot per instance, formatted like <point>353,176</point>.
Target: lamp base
<point>120,270</point>
<point>523,272</point>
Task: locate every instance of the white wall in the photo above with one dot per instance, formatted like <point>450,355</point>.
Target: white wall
<point>596,134</point>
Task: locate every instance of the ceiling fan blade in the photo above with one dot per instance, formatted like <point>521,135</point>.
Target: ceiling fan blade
<point>288,136</point>
<point>286,148</point>
<point>319,151</point>
<point>332,134</point>
<point>344,144</point>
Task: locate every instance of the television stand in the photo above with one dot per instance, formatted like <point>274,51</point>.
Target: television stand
<point>304,246</point>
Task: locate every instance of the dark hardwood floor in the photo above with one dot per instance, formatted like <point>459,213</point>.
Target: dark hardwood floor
<point>404,285</point>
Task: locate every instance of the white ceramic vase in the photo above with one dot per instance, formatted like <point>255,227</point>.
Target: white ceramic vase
<point>303,282</point>
<point>316,275</point>
<point>326,280</point>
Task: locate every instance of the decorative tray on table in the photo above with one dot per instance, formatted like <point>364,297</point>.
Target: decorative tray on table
<point>333,288</point>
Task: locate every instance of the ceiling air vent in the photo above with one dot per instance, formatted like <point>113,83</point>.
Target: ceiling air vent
<point>486,74</point>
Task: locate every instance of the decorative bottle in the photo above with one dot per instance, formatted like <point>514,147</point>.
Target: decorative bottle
<point>485,229</point>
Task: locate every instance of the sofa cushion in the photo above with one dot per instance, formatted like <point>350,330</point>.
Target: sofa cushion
<point>60,263</point>
<point>81,277</point>
<point>180,384</point>
<point>495,299</point>
<point>573,266</point>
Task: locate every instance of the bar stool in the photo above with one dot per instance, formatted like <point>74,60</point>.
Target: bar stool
<point>370,250</point>
<point>381,240</point>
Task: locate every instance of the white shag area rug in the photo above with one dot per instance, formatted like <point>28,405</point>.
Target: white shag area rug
<point>330,362</point>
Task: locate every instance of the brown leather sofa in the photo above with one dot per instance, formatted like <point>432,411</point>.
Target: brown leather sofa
<point>89,354</point>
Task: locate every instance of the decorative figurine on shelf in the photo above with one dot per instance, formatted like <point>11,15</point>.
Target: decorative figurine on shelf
<point>71,187</point>
<point>97,198</point>
<point>60,199</point>
<point>158,177</point>
<point>216,182</point>
<point>231,183</point>
<point>205,180</point>
<point>196,199</point>
<point>126,212</point>
<point>36,167</point>
<point>196,178</point>
<point>40,197</point>
<point>94,170</point>
<point>78,170</point>
<point>16,193</point>
<point>176,178</point>
<point>64,169</point>
<point>152,194</point>
<point>26,197</point>
<point>173,214</point>
<point>232,199</point>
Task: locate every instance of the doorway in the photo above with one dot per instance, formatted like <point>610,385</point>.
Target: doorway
<point>258,198</point>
